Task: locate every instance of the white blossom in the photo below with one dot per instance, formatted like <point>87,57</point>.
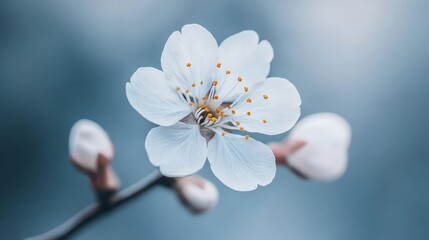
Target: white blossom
<point>204,94</point>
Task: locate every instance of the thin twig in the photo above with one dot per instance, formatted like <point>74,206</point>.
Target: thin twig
<point>95,210</point>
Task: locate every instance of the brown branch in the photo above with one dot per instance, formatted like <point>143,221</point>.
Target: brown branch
<point>105,204</point>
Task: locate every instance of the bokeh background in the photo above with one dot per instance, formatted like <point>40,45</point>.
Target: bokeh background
<point>367,60</point>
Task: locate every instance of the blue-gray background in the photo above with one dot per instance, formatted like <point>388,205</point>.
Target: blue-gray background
<point>364,59</point>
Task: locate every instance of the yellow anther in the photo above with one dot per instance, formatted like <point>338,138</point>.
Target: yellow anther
<point>221,113</point>
<point>237,123</point>
<point>246,89</point>
<point>218,65</point>
<point>249,100</point>
<point>193,84</point>
<point>233,112</point>
<point>201,105</point>
<point>209,115</point>
<point>217,110</point>
<point>227,72</point>
<point>204,98</point>
<point>187,90</point>
<point>207,109</point>
<point>223,134</point>
<point>239,79</point>
<point>188,65</point>
<point>247,137</point>
<point>265,96</point>
<point>216,97</point>
<point>248,113</point>
<point>214,119</point>
<point>241,128</point>
<point>229,106</point>
<point>201,82</point>
<point>178,88</point>
<point>264,121</point>
<point>191,103</point>
<point>215,82</point>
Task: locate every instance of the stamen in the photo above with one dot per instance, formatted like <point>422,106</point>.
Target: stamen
<point>224,126</point>
<point>248,113</point>
<point>247,137</point>
<point>229,106</point>
<point>227,72</point>
<point>237,99</point>
<point>241,128</point>
<point>204,98</point>
<point>199,112</point>
<point>205,122</point>
<point>187,90</point>
<point>233,112</point>
<point>207,109</point>
<point>265,96</point>
<point>214,119</point>
<point>221,122</point>
<point>188,65</point>
<point>193,84</point>
<point>211,93</point>
<point>191,103</point>
<point>248,100</point>
<point>223,134</point>
<point>216,97</point>
<point>201,82</point>
<point>219,65</point>
<point>221,113</point>
<point>215,82</point>
<point>237,123</point>
<point>264,121</point>
<point>246,89</point>
<point>178,88</point>
<point>209,115</point>
<point>239,79</point>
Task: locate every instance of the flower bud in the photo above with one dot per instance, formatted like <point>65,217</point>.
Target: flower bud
<point>196,193</point>
<point>88,140</point>
<point>282,150</point>
<point>324,155</point>
<point>91,151</point>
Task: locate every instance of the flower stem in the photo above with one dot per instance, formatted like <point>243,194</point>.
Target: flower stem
<point>97,209</point>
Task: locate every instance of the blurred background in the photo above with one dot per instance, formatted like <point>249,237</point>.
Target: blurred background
<point>367,60</point>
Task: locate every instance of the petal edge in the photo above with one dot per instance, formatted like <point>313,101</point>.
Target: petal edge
<point>177,150</point>
<point>239,163</point>
<point>150,93</point>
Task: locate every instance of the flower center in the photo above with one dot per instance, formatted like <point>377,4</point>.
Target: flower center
<point>210,111</point>
<point>205,116</point>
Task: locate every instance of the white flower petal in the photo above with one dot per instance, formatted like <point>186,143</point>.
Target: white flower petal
<point>239,163</point>
<point>178,150</point>
<point>280,110</point>
<point>244,57</point>
<point>153,96</point>
<point>87,139</point>
<point>196,46</point>
<point>324,156</point>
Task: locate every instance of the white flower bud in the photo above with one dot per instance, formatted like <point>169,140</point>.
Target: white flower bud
<point>86,142</point>
<point>196,193</point>
<point>324,156</point>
